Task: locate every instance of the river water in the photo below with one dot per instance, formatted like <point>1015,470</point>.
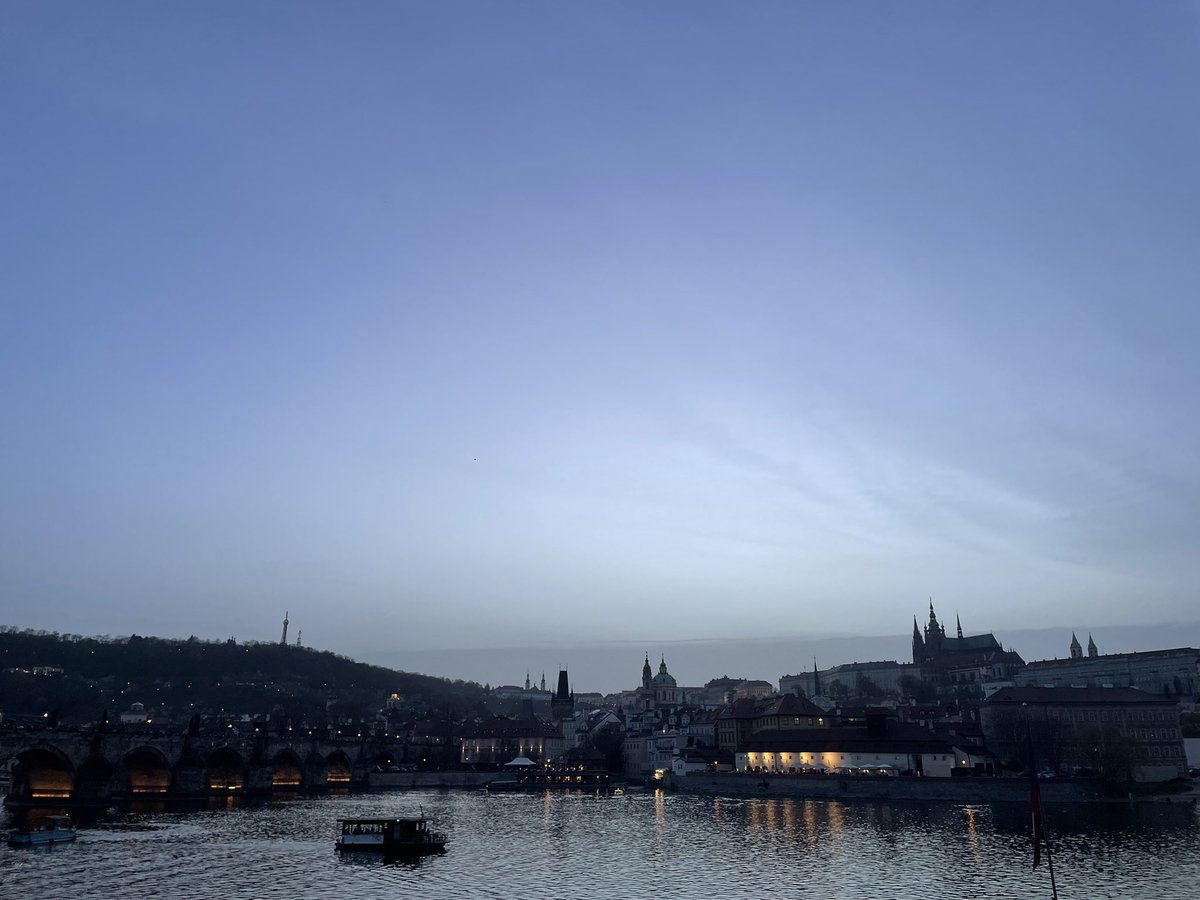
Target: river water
<point>584,846</point>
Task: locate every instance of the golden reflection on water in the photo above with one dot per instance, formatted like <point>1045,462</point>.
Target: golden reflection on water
<point>972,832</point>
<point>810,820</point>
<point>660,813</point>
<point>837,822</point>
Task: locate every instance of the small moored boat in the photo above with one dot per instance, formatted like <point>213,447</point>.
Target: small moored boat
<point>411,837</point>
<point>57,830</point>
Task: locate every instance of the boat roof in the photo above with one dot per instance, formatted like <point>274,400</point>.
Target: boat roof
<point>381,820</point>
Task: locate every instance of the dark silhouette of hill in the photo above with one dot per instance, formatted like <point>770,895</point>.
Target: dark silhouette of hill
<point>81,677</point>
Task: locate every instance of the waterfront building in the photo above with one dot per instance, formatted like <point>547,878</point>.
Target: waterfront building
<point>1120,733</point>
<point>879,747</point>
<point>1170,673</point>
<point>742,718</point>
<point>500,739</point>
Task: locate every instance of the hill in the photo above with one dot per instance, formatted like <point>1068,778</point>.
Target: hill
<point>81,677</point>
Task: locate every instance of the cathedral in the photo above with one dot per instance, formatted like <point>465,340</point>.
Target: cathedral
<point>976,657</point>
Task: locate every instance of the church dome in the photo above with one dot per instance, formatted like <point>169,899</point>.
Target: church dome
<point>664,677</point>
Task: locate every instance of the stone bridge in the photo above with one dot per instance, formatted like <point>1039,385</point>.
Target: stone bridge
<point>67,767</point>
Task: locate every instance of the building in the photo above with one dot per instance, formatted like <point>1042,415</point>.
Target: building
<point>972,666</point>
<point>135,715</point>
<point>562,706</point>
<point>1119,733</point>
<point>742,718</point>
<point>1169,673</point>
<point>877,748</point>
<point>866,681</point>
<point>499,739</point>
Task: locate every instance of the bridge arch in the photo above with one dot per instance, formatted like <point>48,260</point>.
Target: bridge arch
<point>337,769</point>
<point>42,773</point>
<point>287,771</point>
<point>226,770</point>
<point>144,770</point>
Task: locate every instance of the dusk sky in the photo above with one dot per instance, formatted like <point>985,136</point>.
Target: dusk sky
<point>465,325</point>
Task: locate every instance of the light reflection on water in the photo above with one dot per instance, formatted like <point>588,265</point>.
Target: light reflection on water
<point>639,845</point>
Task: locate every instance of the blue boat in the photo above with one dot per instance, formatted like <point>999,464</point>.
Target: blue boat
<point>57,830</point>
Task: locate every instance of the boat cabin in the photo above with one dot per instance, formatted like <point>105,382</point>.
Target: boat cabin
<point>391,834</point>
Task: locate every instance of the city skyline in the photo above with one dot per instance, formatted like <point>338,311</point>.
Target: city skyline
<point>452,328</point>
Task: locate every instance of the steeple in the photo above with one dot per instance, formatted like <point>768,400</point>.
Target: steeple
<point>647,675</point>
<point>283,640</point>
<point>816,679</point>
<point>918,644</point>
<point>959,621</point>
<point>543,682</point>
<point>662,666</point>
<point>1092,651</point>
<point>1076,648</point>
<point>526,681</point>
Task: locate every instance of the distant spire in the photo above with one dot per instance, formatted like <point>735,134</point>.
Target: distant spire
<point>1092,650</point>
<point>1076,648</point>
<point>283,640</point>
<point>816,678</point>
<point>526,681</point>
<point>959,621</point>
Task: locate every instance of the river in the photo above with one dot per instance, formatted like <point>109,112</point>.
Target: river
<point>582,846</point>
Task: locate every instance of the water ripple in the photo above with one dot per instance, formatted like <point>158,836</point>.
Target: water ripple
<point>582,847</point>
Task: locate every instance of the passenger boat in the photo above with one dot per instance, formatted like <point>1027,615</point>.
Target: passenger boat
<point>57,830</point>
<point>401,837</point>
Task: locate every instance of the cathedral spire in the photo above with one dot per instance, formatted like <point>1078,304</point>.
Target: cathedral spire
<point>1076,647</point>
<point>959,621</point>
<point>1092,650</point>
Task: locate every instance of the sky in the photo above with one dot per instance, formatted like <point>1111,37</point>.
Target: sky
<point>472,326</point>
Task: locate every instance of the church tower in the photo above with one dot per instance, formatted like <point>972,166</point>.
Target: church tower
<point>934,635</point>
<point>1093,652</point>
<point>918,644</point>
<point>1076,647</point>
<point>647,675</point>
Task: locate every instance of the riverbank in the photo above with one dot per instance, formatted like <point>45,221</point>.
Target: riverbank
<point>955,790</point>
<point>399,781</point>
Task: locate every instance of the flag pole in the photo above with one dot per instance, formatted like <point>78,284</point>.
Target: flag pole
<point>1035,807</point>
